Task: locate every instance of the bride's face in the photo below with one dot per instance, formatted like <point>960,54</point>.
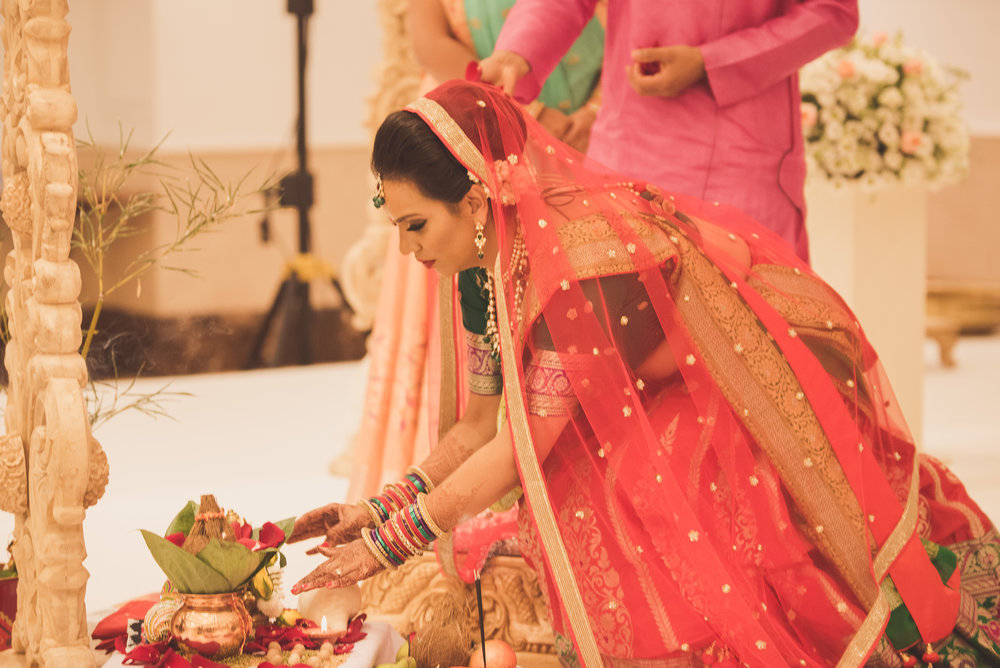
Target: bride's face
<point>438,234</point>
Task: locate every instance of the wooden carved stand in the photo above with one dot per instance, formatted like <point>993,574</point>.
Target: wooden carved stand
<point>51,467</point>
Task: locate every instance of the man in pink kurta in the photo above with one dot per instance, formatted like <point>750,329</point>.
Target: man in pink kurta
<point>734,134</point>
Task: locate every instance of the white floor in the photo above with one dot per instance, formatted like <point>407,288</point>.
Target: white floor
<point>262,441</point>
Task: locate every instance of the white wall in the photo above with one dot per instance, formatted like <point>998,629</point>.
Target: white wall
<point>220,74</point>
<point>955,32</point>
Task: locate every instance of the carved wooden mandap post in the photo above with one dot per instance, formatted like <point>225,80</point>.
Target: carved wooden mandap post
<point>51,468</point>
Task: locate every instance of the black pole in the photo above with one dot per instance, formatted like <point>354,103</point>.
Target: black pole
<point>291,304</point>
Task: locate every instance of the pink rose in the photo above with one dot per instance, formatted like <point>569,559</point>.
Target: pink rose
<point>846,69</point>
<point>913,66</point>
<point>879,38</point>
<point>910,141</point>
<point>809,115</point>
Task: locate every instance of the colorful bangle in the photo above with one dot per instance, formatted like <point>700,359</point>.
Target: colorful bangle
<point>380,507</point>
<point>421,526</point>
<point>426,517</point>
<point>422,534</point>
<point>375,551</point>
<point>397,533</point>
<point>424,478</point>
<point>393,552</point>
<point>396,498</point>
<point>408,488</point>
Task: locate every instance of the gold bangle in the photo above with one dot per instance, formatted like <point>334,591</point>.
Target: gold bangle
<point>366,504</point>
<point>419,472</point>
<point>431,524</point>
<point>376,552</point>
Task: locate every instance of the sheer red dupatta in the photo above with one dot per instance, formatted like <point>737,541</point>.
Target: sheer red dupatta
<point>731,473</point>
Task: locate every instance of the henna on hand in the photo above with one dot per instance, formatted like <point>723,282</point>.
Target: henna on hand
<point>346,565</point>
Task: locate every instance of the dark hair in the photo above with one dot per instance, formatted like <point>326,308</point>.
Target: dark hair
<point>406,149</point>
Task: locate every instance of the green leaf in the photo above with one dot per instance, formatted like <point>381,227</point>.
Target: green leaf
<point>235,562</point>
<point>184,520</point>
<point>187,572</point>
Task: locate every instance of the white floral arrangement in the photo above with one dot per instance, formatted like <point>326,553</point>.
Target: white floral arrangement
<point>879,112</point>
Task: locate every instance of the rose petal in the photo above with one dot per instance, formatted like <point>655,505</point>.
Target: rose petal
<point>248,543</point>
<point>271,535</point>
<point>242,530</point>
<point>176,538</point>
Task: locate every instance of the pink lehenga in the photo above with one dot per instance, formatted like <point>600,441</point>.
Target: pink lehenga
<point>732,482</point>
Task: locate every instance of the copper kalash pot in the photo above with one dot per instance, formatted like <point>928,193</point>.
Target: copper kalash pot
<point>215,626</point>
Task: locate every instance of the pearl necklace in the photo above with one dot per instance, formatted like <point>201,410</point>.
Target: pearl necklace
<point>517,272</point>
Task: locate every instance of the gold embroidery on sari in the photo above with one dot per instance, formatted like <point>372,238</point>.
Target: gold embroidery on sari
<point>594,248</point>
<point>600,583</point>
<point>452,136</point>
<point>759,380</point>
<point>448,410</point>
<point>533,483</point>
<point>901,533</point>
<point>644,578</point>
<point>975,524</point>
<point>484,371</point>
<point>869,632</point>
<point>547,386</point>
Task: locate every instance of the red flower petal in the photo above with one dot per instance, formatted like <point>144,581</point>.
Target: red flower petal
<point>246,542</point>
<point>242,531</point>
<point>176,538</point>
<point>271,535</point>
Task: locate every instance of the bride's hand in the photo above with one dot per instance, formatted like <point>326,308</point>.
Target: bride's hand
<point>347,564</point>
<point>337,522</point>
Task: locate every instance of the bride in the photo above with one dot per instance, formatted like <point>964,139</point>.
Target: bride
<point>713,465</point>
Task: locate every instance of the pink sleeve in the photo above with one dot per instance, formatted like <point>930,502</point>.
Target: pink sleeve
<point>542,31</point>
<point>743,63</point>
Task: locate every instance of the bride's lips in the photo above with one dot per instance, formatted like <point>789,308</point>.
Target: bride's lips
<point>427,263</point>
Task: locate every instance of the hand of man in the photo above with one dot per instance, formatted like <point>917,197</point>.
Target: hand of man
<point>666,71</point>
<point>556,122</point>
<point>505,69</point>
<point>577,134</point>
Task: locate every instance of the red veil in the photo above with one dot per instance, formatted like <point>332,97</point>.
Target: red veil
<point>760,503</point>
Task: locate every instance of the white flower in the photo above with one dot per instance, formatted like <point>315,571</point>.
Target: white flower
<point>865,121</point>
<point>890,97</point>
<point>893,160</point>
<point>888,134</point>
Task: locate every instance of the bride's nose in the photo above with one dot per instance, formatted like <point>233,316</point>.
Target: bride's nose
<point>406,243</point>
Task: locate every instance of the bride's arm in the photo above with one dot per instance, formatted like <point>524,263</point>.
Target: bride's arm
<point>475,428</point>
<point>484,477</point>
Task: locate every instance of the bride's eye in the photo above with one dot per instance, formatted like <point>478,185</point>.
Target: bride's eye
<point>413,227</point>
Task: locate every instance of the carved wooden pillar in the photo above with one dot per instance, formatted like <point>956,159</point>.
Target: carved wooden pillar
<point>50,465</point>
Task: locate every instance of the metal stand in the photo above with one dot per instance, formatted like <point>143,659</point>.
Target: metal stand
<point>291,306</point>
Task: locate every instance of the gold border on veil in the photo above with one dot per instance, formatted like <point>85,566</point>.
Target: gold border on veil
<point>533,484</point>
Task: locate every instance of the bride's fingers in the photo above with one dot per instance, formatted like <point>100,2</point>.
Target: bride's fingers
<point>324,575</point>
<point>317,549</point>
